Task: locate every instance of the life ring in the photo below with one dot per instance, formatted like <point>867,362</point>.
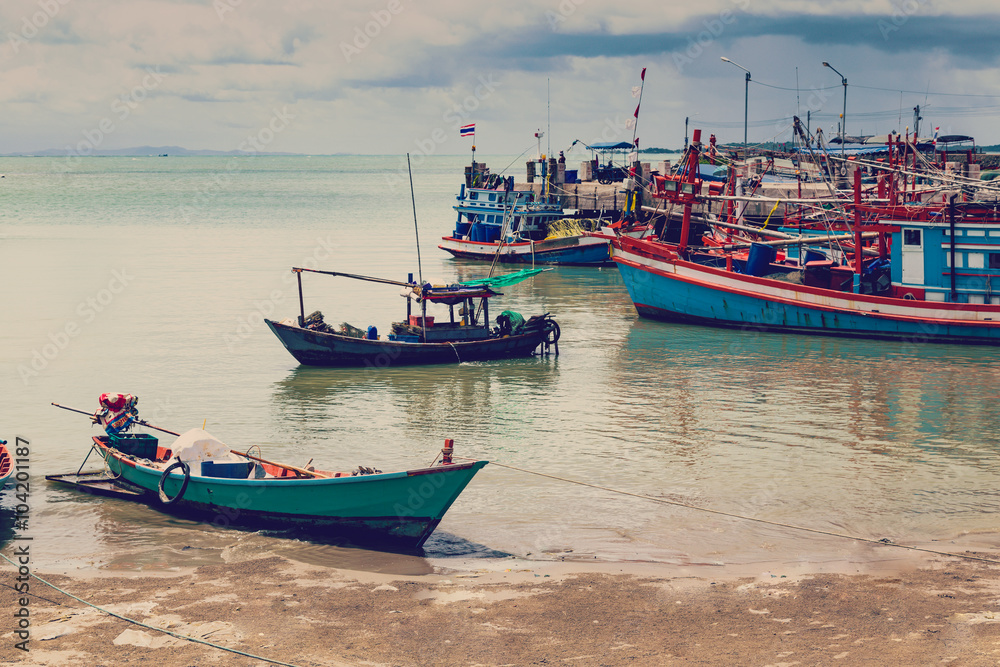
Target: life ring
<point>164,498</point>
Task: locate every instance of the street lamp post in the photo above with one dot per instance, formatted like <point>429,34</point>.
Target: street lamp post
<point>843,116</point>
<point>746,99</point>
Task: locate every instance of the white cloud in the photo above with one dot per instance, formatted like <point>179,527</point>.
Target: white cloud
<point>407,64</point>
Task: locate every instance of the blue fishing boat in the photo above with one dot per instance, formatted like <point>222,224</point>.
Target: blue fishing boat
<point>918,272</point>
<point>498,223</point>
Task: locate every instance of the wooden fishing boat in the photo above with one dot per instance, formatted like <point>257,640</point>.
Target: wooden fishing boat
<point>6,464</point>
<point>581,249</point>
<point>402,508</point>
<point>199,476</point>
<point>419,339</point>
<point>497,223</point>
<point>917,272</point>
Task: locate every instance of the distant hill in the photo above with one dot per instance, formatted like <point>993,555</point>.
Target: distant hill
<point>138,151</point>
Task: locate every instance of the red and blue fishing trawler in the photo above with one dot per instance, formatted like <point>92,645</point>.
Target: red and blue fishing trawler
<point>915,262</point>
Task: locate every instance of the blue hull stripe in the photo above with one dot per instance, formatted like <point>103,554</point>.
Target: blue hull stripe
<point>659,296</point>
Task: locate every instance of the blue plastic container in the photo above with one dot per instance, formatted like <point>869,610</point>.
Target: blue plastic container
<point>759,259</point>
<point>485,233</point>
<point>462,229</point>
<point>813,256</point>
<point>225,470</point>
<point>372,333</point>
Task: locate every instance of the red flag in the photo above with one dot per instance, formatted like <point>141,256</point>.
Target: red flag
<point>636,114</point>
<point>642,77</point>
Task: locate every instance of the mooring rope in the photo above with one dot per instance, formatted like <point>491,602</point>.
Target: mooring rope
<point>882,543</point>
<point>152,627</point>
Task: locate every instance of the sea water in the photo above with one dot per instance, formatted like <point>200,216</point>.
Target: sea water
<point>152,276</point>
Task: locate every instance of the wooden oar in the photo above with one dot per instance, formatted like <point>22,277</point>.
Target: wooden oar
<point>301,471</point>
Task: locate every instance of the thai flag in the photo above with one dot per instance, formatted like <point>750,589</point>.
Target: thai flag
<point>935,135</point>
<point>467,130</point>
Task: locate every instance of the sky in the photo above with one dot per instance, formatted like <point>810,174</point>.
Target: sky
<point>397,76</point>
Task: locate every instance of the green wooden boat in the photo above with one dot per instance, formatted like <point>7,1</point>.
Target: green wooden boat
<point>399,508</point>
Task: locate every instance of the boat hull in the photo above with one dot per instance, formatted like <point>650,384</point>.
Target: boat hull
<point>6,466</point>
<point>317,348</point>
<point>401,508</point>
<point>663,286</point>
<point>567,250</point>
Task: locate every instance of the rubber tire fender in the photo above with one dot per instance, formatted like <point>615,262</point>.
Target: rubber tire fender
<point>186,469</point>
<point>552,332</point>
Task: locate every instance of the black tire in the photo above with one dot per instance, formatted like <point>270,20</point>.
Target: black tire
<point>552,332</point>
<point>164,498</point>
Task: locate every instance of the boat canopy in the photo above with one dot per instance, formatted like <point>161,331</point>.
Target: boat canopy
<point>611,146</point>
<point>449,294</point>
<point>954,138</point>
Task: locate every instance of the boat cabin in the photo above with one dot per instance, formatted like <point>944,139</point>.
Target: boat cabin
<point>485,216</point>
<point>472,323</point>
<point>937,261</point>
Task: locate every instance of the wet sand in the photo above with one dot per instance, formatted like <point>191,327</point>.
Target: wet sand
<point>905,609</point>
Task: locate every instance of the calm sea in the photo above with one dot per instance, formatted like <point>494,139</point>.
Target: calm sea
<point>152,275</point>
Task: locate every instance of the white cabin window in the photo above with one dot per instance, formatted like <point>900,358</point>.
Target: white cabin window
<point>977,298</point>
<point>911,237</point>
<point>995,260</point>
<point>493,196</point>
<point>976,232</point>
<point>976,260</point>
<point>958,259</point>
<point>473,195</point>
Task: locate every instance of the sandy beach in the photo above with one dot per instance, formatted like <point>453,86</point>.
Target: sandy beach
<point>903,610</point>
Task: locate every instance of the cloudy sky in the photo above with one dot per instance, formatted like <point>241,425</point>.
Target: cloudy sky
<point>391,76</point>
